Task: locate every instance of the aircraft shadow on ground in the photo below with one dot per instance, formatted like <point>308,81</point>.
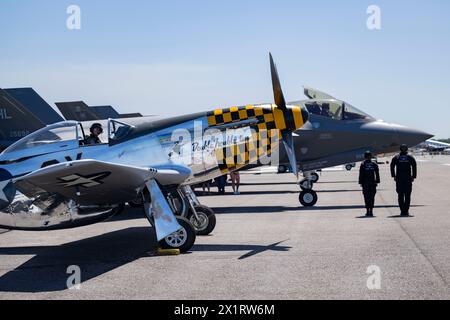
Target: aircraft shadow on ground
<point>291,183</point>
<point>252,249</point>
<point>272,209</point>
<point>46,271</point>
<point>284,192</point>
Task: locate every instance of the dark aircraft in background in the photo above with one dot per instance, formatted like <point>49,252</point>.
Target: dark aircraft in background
<point>80,111</point>
<point>34,103</point>
<point>23,111</point>
<point>77,111</point>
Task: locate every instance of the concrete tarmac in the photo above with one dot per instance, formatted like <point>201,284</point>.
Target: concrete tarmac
<point>265,246</point>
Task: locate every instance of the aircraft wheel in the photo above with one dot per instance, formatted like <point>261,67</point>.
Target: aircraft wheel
<point>282,169</point>
<point>183,239</point>
<point>207,220</point>
<point>314,177</point>
<point>349,167</point>
<point>308,198</point>
<point>306,185</point>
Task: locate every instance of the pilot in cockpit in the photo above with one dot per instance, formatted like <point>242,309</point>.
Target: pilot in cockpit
<point>96,131</point>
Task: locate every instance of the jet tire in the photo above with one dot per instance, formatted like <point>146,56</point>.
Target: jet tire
<point>308,198</point>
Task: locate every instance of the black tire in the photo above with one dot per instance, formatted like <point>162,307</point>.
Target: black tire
<point>315,177</point>
<point>188,233</point>
<point>282,169</point>
<point>208,217</point>
<point>349,167</point>
<point>308,198</point>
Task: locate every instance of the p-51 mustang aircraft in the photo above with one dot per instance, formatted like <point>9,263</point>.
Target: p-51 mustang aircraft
<point>52,180</point>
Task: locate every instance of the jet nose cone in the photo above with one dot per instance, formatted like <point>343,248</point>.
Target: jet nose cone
<point>412,137</point>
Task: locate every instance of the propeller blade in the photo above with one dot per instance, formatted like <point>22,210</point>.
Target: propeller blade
<point>288,142</point>
<point>277,91</point>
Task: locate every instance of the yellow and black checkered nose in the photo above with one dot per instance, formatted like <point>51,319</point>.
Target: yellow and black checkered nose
<point>269,117</point>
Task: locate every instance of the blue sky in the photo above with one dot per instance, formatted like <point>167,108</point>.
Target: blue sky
<point>177,57</point>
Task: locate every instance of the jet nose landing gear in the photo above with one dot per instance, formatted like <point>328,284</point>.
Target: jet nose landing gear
<point>308,197</point>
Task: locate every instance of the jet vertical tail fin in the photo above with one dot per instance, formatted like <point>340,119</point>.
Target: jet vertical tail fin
<point>77,111</point>
<point>16,121</point>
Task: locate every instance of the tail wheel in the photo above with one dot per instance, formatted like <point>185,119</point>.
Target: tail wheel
<point>183,239</point>
<point>206,220</point>
<point>314,177</point>
<point>349,167</point>
<point>308,198</point>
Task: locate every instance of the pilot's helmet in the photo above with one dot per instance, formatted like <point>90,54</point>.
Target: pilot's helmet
<point>98,126</point>
<point>367,155</point>
<point>404,148</point>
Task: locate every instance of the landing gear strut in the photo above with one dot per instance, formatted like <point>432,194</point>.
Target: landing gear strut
<point>172,232</point>
<point>308,197</point>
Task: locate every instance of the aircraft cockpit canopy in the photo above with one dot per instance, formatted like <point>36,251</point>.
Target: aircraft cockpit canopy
<point>334,109</point>
<point>118,131</point>
<point>62,135</point>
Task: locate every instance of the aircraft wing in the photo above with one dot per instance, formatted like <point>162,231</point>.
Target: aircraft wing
<point>93,182</point>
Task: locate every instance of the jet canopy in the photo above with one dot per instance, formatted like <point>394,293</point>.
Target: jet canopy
<point>334,109</point>
<point>62,135</point>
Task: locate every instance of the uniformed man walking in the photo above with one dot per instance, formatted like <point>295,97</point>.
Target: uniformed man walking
<point>404,172</point>
<point>369,178</point>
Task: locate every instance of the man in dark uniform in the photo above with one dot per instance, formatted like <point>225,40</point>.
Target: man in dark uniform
<point>96,131</point>
<point>404,172</point>
<point>369,178</point>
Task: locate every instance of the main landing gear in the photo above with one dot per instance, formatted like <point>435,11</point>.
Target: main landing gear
<point>172,232</point>
<point>187,205</point>
<point>184,203</point>
<point>308,197</point>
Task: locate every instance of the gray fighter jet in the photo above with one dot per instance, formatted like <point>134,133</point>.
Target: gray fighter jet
<point>338,133</point>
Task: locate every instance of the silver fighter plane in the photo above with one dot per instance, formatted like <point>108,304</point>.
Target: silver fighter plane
<point>52,179</point>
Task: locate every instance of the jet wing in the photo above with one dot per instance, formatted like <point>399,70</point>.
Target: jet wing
<point>93,182</point>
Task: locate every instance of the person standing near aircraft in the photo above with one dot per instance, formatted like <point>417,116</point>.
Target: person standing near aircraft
<point>96,131</point>
<point>221,183</point>
<point>369,178</point>
<point>235,182</point>
<point>404,172</point>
